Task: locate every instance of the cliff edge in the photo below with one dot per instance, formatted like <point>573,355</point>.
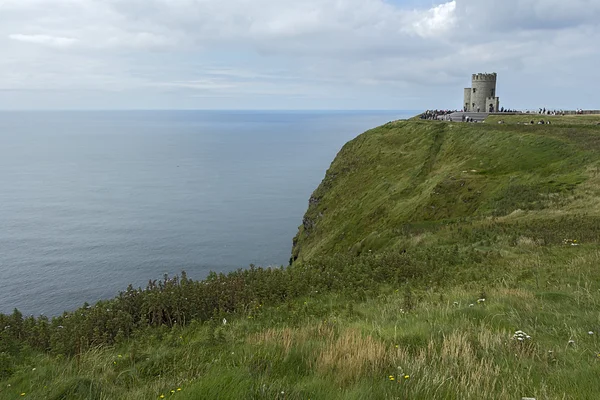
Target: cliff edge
<point>411,182</point>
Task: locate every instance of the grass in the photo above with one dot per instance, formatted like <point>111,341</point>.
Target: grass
<point>425,249</point>
<point>554,119</point>
<point>449,344</point>
<point>422,175</point>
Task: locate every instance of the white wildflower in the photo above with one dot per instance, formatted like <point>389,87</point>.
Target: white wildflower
<point>521,336</point>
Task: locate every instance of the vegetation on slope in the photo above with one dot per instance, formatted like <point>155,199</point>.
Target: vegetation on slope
<point>408,180</point>
<point>411,282</point>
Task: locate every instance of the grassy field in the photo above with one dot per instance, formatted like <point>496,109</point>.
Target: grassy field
<point>554,119</point>
<point>436,261</point>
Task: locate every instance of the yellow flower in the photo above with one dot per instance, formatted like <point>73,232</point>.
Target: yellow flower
<point>172,391</point>
<point>179,389</point>
<point>162,396</point>
<point>23,394</point>
<point>396,346</point>
<point>120,356</point>
<point>391,378</point>
<point>406,376</point>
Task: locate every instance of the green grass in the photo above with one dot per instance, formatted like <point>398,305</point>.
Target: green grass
<point>413,226</point>
<point>554,119</point>
<point>333,347</point>
<point>422,175</point>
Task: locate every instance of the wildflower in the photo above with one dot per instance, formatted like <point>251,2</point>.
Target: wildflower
<point>120,356</point>
<point>521,336</point>
<point>33,369</point>
<point>571,341</point>
<point>590,333</point>
<point>480,301</point>
<point>455,303</point>
<point>406,376</point>
<point>172,391</point>
<point>471,305</point>
<point>23,394</point>
<point>114,362</point>
<point>179,389</point>
<point>396,346</point>
<point>162,396</point>
<point>392,378</point>
<point>224,321</point>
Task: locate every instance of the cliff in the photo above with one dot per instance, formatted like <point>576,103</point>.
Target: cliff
<point>409,182</point>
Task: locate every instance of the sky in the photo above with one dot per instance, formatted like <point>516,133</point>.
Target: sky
<point>291,54</point>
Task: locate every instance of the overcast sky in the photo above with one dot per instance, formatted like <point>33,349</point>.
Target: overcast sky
<point>291,54</point>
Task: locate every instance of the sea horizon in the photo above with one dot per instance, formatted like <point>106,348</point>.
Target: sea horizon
<point>95,200</point>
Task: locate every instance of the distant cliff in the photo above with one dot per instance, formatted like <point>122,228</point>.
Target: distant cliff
<point>395,185</point>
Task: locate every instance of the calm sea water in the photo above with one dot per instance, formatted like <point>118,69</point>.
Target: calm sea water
<point>93,201</point>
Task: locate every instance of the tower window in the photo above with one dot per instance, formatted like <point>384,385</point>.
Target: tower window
<point>493,93</point>
<point>474,90</point>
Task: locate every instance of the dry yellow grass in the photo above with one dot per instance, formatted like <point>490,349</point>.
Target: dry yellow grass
<point>287,338</point>
<point>353,355</point>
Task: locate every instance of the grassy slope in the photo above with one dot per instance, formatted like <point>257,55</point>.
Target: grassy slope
<point>419,176</point>
<point>401,181</point>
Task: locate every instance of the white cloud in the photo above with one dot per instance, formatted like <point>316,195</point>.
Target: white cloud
<point>46,40</point>
<point>436,20</point>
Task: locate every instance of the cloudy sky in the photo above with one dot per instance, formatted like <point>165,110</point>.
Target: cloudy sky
<point>290,54</point>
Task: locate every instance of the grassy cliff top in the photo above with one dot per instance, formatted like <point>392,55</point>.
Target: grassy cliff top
<point>412,181</point>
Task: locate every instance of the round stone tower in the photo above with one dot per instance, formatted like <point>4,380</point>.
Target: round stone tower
<point>483,93</point>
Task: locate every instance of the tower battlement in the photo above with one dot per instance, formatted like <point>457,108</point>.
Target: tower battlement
<point>485,77</point>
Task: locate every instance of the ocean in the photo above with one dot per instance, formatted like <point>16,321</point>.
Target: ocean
<point>91,201</point>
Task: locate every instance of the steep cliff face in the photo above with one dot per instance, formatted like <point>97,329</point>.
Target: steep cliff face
<point>395,185</point>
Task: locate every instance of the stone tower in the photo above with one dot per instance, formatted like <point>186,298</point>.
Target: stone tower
<point>481,96</point>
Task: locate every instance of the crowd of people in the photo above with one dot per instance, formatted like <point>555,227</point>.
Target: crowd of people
<point>543,111</point>
<point>436,114</point>
<point>444,115</point>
